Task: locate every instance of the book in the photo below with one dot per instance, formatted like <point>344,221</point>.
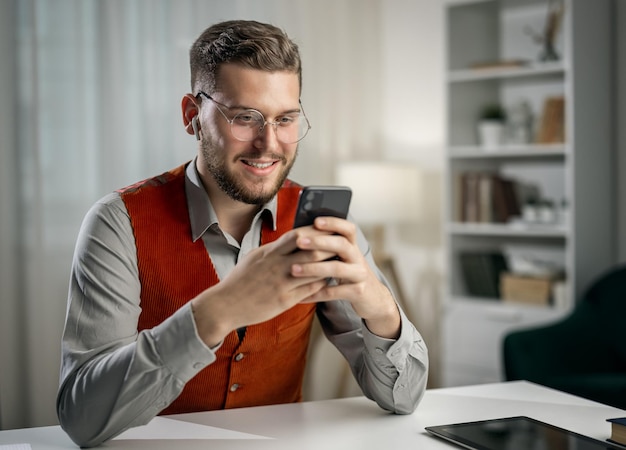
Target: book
<point>457,198</point>
<point>618,430</point>
<point>481,273</point>
<point>471,206</point>
<point>505,200</point>
<point>485,198</point>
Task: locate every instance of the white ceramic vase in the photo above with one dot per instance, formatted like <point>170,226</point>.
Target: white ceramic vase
<point>490,134</point>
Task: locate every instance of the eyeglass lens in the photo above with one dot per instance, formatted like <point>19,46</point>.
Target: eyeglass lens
<point>290,128</point>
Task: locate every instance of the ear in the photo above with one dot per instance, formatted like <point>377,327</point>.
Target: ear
<point>190,110</point>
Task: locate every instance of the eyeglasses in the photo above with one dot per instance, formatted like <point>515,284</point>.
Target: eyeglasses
<point>246,125</point>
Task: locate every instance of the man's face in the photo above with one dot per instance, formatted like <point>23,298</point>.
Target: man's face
<point>249,172</point>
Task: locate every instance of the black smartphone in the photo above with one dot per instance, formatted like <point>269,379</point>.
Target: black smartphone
<point>316,201</point>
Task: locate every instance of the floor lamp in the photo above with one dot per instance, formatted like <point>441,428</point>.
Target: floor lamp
<point>384,195</point>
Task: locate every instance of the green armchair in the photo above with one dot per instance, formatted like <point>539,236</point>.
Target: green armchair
<point>584,353</point>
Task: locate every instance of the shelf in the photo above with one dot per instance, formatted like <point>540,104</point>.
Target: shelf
<point>508,151</point>
<point>507,230</point>
<point>453,3</point>
<point>527,71</point>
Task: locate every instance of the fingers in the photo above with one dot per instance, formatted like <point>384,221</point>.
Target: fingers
<point>335,289</point>
<point>331,245</point>
<point>323,226</point>
<point>334,225</point>
<point>347,272</point>
<point>297,239</point>
<point>332,251</point>
<point>309,291</point>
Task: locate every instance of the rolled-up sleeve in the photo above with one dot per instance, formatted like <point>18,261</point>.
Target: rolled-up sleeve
<point>405,361</point>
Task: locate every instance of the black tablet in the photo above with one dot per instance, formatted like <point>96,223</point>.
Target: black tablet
<point>516,433</point>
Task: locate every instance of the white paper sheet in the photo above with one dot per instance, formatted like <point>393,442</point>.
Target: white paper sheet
<point>15,447</point>
<point>164,428</point>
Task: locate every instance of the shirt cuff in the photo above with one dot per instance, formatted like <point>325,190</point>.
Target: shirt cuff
<point>179,346</point>
<point>392,352</point>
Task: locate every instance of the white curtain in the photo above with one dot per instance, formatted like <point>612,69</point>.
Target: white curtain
<point>89,98</point>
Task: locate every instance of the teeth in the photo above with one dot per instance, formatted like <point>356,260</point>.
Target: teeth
<point>259,165</point>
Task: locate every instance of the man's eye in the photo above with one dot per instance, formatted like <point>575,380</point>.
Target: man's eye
<point>246,118</point>
<point>287,120</point>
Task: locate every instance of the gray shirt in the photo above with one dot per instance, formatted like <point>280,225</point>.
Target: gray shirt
<point>114,377</point>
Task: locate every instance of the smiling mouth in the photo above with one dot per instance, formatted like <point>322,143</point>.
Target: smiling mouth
<point>258,165</point>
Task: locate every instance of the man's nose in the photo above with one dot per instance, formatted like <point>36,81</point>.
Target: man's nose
<point>269,134</point>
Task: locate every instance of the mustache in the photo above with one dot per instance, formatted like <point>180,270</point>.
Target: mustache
<point>261,155</point>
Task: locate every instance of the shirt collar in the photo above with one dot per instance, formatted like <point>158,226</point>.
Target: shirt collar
<point>201,212</point>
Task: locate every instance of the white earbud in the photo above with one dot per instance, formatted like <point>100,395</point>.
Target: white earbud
<point>194,125</point>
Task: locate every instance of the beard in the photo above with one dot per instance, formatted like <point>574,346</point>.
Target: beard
<point>236,188</point>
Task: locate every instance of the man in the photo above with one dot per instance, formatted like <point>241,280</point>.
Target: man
<point>191,291</point>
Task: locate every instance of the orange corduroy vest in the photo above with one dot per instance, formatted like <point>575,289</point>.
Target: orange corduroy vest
<point>267,366</point>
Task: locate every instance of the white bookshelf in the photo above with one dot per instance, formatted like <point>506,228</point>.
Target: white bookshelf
<point>577,170</point>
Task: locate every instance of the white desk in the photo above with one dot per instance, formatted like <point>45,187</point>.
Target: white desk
<point>347,424</point>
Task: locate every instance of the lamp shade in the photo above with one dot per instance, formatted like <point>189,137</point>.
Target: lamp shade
<point>382,192</point>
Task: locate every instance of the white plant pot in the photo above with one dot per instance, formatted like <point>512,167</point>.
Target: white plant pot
<point>490,134</point>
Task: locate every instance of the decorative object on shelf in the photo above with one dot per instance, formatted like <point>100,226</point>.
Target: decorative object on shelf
<point>553,22</point>
<point>530,211</point>
<point>547,212</point>
<point>542,211</point>
<point>519,124</point>
<point>491,126</point>
<point>552,127</point>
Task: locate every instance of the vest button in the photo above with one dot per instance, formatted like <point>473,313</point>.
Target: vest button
<point>234,387</point>
<point>239,356</point>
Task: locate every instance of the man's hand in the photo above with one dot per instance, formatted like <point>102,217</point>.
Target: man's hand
<point>357,284</point>
<point>261,286</point>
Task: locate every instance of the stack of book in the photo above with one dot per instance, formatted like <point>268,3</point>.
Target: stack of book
<point>486,197</point>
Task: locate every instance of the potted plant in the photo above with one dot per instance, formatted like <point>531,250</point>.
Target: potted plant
<point>491,125</point>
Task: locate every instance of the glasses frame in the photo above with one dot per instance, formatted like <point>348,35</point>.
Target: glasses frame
<point>263,125</point>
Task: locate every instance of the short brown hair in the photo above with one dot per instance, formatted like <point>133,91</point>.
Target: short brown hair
<point>252,44</point>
